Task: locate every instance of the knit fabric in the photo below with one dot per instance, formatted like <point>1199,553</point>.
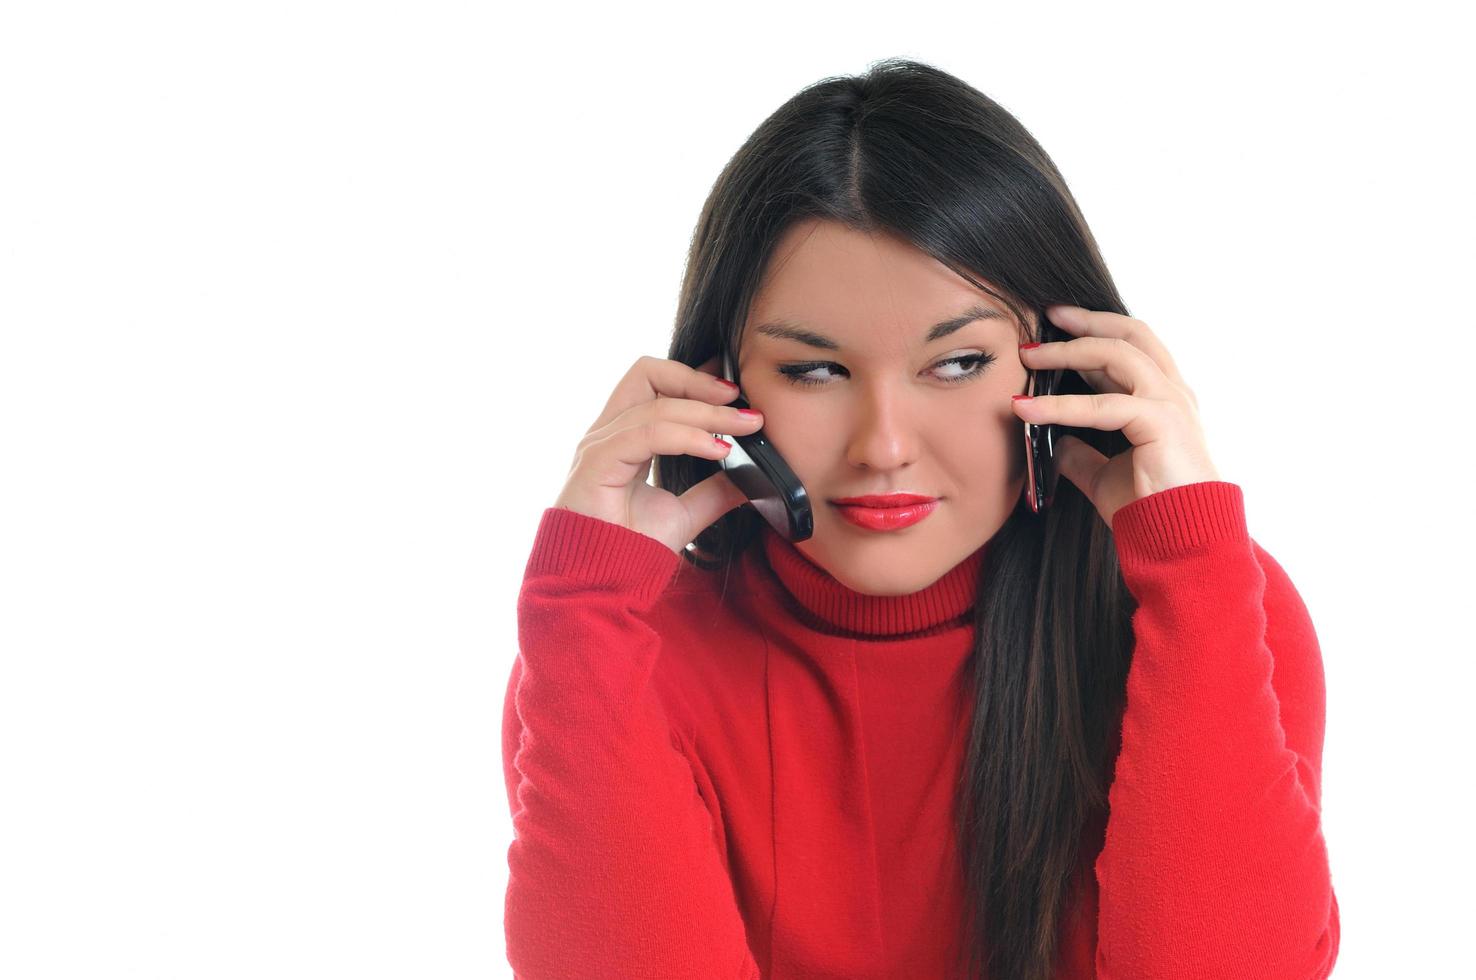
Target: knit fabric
<point>750,772</point>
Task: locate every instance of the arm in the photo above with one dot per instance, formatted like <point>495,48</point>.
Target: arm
<point>1214,863</point>
<point>613,871</point>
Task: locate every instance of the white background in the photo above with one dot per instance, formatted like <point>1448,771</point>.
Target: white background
<point>305,306</point>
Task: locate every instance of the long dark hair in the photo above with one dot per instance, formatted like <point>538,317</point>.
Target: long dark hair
<point>909,149</point>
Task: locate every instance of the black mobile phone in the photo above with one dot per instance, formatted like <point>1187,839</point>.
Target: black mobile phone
<point>1041,471</point>
<point>756,468</point>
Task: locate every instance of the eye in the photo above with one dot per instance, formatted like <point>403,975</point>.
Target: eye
<point>976,364</point>
<point>799,373</point>
<point>973,364</point>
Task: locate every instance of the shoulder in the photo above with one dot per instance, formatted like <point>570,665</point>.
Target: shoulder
<point>703,613</point>
<point>712,645</point>
<point>709,600</point>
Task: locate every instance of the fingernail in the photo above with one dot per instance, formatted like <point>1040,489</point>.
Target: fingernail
<point>1021,398</point>
<point>747,411</point>
<point>725,381</point>
<point>1028,346</point>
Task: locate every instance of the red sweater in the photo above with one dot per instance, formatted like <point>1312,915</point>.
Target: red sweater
<point>750,773</point>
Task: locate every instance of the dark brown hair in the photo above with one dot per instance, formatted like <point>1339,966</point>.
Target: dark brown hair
<point>909,149</point>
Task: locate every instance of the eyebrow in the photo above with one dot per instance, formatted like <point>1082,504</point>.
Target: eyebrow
<point>787,330</point>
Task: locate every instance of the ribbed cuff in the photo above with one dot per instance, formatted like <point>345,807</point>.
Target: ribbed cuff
<point>595,553</point>
<point>1180,520</point>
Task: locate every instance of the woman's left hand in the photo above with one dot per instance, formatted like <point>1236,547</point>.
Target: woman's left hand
<point>1138,390</point>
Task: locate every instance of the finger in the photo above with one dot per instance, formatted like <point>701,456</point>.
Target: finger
<point>652,377</point>
<point>1115,364</point>
<point>709,499</point>
<point>1081,322</point>
<point>618,458</point>
<point>1080,462</point>
<point>701,415</point>
<point>1142,420</point>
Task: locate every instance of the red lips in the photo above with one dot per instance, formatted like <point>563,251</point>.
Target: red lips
<point>886,512</point>
<point>885,500</point>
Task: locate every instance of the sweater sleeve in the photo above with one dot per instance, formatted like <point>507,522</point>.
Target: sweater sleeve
<point>614,870</point>
<point>1214,863</point>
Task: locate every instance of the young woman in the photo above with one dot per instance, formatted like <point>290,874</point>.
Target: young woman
<point>959,737</point>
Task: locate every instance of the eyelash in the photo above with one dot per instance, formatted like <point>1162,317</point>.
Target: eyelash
<point>794,373</point>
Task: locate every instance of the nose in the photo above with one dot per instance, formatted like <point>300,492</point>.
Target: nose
<point>883,436</point>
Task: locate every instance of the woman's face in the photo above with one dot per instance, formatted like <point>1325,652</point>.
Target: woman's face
<point>881,412</point>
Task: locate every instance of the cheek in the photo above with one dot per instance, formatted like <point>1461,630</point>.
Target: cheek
<point>793,422</point>
<point>994,452</point>
<point>805,442</point>
<point>987,453</point>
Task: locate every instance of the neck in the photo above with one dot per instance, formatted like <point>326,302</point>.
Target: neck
<point>947,602</point>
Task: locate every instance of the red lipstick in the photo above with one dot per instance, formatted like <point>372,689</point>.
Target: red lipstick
<point>885,512</point>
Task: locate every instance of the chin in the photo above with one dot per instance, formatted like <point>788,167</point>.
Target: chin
<point>853,575</point>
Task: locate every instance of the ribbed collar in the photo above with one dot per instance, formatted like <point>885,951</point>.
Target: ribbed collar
<point>946,602</point>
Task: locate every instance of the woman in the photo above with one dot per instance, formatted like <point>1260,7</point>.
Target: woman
<point>963,737</point>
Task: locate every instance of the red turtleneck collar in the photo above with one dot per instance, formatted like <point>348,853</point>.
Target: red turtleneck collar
<point>946,602</point>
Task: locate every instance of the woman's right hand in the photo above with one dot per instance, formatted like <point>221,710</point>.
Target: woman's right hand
<point>660,406</point>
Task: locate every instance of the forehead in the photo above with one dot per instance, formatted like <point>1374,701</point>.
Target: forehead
<point>849,283</point>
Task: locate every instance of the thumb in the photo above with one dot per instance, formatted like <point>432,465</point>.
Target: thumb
<point>710,499</point>
<point>1079,462</point>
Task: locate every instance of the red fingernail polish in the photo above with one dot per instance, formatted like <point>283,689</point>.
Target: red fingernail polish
<point>1028,346</point>
<point>1021,398</point>
<point>726,382</point>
